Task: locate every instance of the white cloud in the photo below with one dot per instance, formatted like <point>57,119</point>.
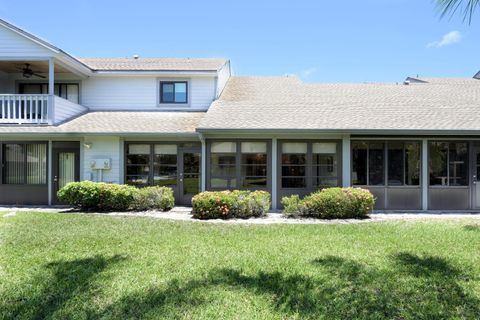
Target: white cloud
<point>447,39</point>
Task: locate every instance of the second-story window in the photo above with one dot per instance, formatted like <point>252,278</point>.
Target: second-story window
<point>173,92</point>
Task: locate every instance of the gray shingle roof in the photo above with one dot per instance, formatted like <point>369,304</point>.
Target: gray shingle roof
<point>120,122</point>
<point>285,103</point>
<point>153,64</point>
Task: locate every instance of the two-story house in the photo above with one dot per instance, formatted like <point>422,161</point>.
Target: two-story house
<point>191,125</point>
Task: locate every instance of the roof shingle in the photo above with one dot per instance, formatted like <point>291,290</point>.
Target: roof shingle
<point>120,122</point>
<point>153,64</point>
<point>285,103</point>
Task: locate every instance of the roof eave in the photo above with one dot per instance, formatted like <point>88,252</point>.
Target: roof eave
<point>343,131</point>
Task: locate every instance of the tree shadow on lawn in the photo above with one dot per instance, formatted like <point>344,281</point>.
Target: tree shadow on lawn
<point>414,287</point>
<point>408,286</point>
<point>64,281</point>
<point>472,227</point>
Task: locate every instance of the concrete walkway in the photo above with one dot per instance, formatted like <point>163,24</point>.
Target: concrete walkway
<point>183,214</point>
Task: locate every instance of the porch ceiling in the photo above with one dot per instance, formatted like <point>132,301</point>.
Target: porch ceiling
<point>37,66</point>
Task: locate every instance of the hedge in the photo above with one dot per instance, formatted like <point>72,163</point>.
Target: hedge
<point>331,203</point>
<point>99,196</point>
<point>230,204</point>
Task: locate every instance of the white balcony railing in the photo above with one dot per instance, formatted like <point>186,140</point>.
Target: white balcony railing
<point>25,108</point>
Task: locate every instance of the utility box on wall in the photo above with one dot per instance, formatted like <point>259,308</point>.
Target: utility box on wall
<point>101,164</point>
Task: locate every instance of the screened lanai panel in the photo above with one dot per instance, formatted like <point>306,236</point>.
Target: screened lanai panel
<point>25,163</point>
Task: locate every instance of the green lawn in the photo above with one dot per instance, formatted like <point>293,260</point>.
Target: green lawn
<point>72,266</point>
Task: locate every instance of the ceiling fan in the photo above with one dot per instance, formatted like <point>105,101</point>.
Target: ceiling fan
<point>28,72</point>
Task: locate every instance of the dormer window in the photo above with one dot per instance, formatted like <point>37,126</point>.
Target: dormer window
<point>174,92</point>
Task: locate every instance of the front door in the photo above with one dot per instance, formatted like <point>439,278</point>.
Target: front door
<point>66,168</point>
<point>476,178</point>
<point>189,175</point>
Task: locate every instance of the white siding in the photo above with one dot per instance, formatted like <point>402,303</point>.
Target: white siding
<point>223,76</point>
<point>127,93</point>
<point>101,148</point>
<point>14,44</point>
<point>65,109</point>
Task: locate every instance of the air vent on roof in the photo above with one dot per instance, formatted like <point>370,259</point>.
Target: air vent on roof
<point>136,56</point>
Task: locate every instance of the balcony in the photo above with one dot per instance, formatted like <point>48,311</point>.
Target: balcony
<point>30,95</point>
<point>25,108</point>
<point>36,109</point>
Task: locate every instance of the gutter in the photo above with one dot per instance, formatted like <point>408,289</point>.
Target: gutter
<point>341,131</point>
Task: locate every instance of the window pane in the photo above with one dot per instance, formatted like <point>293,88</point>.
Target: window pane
<point>254,182</point>
<point>14,159</point>
<point>228,182</point>
<point>223,147</point>
<point>322,147</point>
<point>181,92</point>
<point>254,158</point>
<point>412,164</point>
<point>458,160</point>
<point>296,183</point>
<point>165,175</point>
<point>165,149</point>
<point>438,158</point>
<point>191,184</point>
<point>293,171</point>
<point>167,92</point>
<point>138,149</point>
<point>138,159</point>
<point>170,159</point>
<point>223,159</point>
<point>36,163</point>
<point>254,170</point>
<point>72,92</point>
<point>138,170</point>
<point>223,170</point>
<point>296,159</point>
<point>324,165</point>
<point>359,163</point>
<point>395,163</point>
<point>294,147</point>
<point>137,180</point>
<point>322,182</point>
<point>254,147</point>
<point>376,171</point>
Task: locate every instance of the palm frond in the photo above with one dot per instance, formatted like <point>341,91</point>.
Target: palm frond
<point>450,7</point>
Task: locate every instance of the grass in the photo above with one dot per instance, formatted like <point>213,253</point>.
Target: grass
<point>67,266</point>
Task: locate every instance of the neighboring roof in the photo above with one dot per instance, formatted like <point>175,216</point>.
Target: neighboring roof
<point>286,104</point>
<point>118,123</point>
<point>477,76</point>
<point>153,64</point>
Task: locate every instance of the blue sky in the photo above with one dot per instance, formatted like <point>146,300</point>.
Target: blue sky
<point>320,41</point>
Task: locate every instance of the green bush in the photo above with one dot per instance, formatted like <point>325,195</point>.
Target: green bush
<point>230,204</point>
<point>153,198</point>
<point>88,195</point>
<point>331,203</point>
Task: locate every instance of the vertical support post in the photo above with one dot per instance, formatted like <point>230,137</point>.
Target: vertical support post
<point>274,173</point>
<point>424,179</point>
<point>203,169</point>
<point>121,148</point>
<point>50,172</point>
<point>346,161</point>
<point>51,91</point>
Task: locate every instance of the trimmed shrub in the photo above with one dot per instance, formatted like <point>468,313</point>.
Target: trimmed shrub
<point>331,203</point>
<point>230,204</point>
<point>100,196</point>
<point>153,198</point>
